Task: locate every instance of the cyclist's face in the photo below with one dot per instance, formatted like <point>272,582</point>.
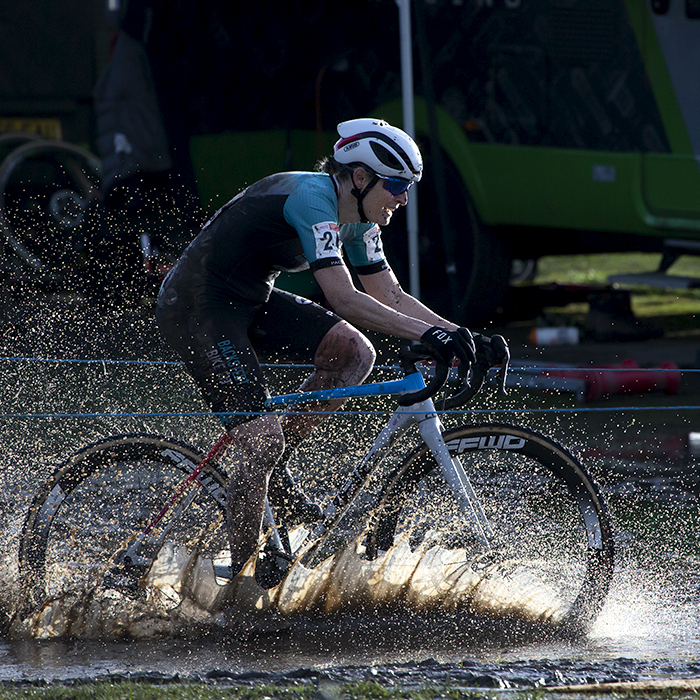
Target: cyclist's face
<point>379,204</point>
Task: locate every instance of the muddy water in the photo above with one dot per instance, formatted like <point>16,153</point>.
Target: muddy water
<point>646,631</point>
<point>649,627</point>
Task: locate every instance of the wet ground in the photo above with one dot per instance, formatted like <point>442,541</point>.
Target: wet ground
<point>639,446</point>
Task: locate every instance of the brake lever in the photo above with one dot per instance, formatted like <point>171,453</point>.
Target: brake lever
<point>502,375</point>
<point>504,352</point>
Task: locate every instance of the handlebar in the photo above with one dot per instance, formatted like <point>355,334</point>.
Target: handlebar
<point>408,358</point>
<point>472,378</point>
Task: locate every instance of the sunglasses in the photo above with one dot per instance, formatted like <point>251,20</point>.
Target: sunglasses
<point>395,185</point>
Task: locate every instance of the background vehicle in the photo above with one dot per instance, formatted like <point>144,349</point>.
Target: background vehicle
<point>549,126</point>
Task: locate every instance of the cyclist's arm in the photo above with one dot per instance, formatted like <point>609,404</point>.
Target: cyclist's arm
<point>385,288</point>
<point>365,310</point>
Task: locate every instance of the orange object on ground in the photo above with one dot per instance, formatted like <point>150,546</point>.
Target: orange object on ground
<point>626,378</point>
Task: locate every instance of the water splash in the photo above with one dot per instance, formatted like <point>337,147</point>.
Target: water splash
<point>647,616</point>
<point>183,594</point>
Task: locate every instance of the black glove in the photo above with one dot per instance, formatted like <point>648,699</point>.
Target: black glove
<point>490,351</point>
<point>443,345</point>
<point>493,352</point>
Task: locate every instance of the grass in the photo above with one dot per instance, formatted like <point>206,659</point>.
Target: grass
<point>646,301</point>
<point>359,690</point>
<point>581,269</point>
<point>147,691</point>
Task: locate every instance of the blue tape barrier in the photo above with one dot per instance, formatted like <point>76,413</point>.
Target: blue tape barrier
<point>521,377</point>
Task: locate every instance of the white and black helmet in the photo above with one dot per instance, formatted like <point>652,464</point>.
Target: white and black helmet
<point>382,148</point>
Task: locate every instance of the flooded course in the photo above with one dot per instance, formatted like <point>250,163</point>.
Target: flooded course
<point>501,634</point>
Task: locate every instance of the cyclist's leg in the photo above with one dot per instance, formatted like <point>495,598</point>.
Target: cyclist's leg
<point>214,343</point>
<point>258,445</point>
<point>298,329</point>
<point>342,355</point>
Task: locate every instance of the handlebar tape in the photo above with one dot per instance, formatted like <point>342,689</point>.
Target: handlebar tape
<point>441,372</point>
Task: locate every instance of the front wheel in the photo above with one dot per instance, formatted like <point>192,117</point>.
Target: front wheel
<point>103,495</point>
<point>552,539</point>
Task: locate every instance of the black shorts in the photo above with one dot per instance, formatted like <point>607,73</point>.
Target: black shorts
<point>222,344</point>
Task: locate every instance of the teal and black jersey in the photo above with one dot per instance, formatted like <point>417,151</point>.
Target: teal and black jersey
<point>285,222</point>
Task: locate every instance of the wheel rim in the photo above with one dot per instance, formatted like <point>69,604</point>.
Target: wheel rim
<point>103,496</point>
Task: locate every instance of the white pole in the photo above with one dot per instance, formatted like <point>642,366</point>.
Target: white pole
<point>409,127</point>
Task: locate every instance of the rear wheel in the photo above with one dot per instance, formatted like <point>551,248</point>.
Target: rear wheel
<point>105,494</point>
<point>550,523</point>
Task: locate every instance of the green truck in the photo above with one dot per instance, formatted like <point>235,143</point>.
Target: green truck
<point>548,126</point>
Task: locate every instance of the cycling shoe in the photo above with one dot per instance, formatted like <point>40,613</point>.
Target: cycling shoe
<point>272,566</point>
<point>125,579</point>
<point>288,498</point>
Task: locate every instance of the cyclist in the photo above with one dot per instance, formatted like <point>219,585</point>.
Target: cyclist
<point>219,310</point>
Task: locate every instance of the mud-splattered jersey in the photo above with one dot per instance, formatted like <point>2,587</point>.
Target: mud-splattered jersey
<point>285,222</point>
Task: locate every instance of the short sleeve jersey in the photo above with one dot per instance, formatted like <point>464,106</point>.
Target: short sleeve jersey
<point>285,222</point>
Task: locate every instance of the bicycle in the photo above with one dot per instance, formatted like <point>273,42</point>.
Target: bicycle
<point>503,494</point>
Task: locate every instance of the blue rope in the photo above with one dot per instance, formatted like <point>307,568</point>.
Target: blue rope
<point>172,414</point>
<point>490,411</point>
<point>87,362</point>
<point>141,362</point>
<point>526,368</point>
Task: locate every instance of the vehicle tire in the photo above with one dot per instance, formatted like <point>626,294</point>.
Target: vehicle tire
<point>47,192</point>
<point>481,253</point>
<point>546,512</point>
<point>12,139</point>
<point>104,494</point>
<point>522,271</point>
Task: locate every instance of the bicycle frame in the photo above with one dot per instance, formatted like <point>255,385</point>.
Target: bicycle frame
<point>424,416</point>
<point>551,525</point>
<point>421,414</point>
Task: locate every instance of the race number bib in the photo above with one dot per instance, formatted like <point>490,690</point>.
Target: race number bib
<point>373,244</point>
<point>327,237</point>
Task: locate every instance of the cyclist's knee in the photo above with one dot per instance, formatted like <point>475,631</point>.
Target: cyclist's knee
<point>347,353</point>
<point>261,441</point>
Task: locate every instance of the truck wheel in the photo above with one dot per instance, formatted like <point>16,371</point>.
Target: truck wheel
<point>47,189</point>
<point>481,253</point>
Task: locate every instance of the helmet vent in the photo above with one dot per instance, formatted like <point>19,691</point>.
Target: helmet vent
<point>386,156</point>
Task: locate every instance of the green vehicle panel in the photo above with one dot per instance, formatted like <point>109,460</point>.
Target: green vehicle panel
<point>574,117</point>
<point>551,126</point>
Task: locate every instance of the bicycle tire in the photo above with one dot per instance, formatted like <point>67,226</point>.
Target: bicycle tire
<point>105,493</point>
<point>545,509</point>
